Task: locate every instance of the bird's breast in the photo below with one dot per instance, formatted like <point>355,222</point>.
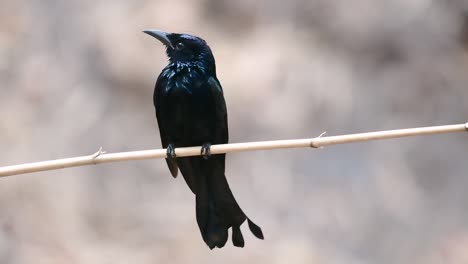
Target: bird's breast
<point>182,80</point>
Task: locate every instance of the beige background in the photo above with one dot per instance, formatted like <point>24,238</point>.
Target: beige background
<point>77,75</point>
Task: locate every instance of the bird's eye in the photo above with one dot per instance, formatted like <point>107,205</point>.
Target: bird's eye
<point>179,46</point>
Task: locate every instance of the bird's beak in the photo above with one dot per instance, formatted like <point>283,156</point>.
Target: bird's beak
<point>161,36</point>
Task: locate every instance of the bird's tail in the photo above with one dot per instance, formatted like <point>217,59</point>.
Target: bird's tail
<point>216,208</point>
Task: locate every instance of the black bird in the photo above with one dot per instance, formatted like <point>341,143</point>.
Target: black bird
<point>191,111</point>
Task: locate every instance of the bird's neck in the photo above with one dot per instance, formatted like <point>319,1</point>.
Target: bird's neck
<point>181,76</point>
<point>202,67</point>
<point>183,65</point>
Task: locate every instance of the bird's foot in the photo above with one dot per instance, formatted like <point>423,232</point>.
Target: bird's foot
<point>206,151</point>
<point>170,151</point>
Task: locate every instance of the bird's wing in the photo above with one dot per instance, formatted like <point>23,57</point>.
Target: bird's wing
<point>189,166</point>
<point>221,111</point>
<point>157,100</point>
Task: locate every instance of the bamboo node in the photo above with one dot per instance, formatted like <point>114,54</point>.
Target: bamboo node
<point>312,143</point>
<point>97,154</point>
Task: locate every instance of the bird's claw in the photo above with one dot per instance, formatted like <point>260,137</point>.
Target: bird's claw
<point>206,151</point>
<point>170,151</point>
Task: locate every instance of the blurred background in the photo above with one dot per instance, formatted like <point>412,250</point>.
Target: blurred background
<point>77,75</point>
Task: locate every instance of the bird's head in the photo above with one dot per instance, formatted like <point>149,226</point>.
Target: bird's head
<point>183,48</point>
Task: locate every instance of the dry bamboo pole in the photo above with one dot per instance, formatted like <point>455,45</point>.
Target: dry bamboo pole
<point>317,142</point>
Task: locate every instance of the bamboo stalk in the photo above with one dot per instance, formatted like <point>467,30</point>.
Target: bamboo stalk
<point>317,142</point>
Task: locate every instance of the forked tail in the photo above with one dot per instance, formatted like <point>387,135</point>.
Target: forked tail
<point>217,209</point>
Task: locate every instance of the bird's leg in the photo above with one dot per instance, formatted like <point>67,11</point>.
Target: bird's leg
<point>170,152</point>
<point>206,151</point>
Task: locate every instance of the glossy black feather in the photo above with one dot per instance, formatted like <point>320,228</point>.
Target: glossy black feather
<point>191,111</point>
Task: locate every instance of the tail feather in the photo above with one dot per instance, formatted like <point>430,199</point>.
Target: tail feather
<point>212,232</point>
<point>216,207</point>
<point>237,238</point>
<point>255,229</point>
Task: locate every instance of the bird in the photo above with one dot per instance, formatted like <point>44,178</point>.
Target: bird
<point>191,111</point>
